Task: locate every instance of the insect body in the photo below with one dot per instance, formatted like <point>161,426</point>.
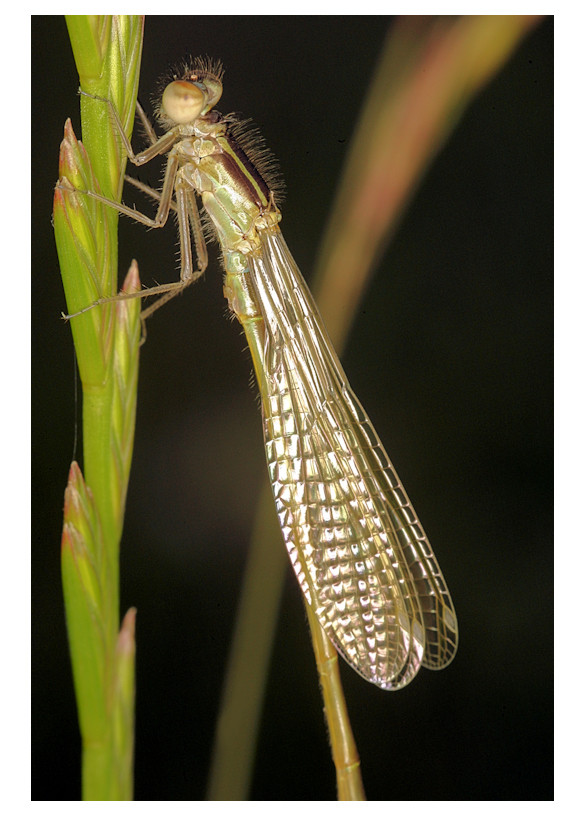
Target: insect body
<point>356,545</point>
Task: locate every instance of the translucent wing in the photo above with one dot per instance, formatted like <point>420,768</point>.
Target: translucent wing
<point>357,547</point>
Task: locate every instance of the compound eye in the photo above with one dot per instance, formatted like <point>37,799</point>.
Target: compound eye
<point>183,101</point>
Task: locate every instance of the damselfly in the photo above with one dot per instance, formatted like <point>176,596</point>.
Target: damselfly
<point>356,545</point>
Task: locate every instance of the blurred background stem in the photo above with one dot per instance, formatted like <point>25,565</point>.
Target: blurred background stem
<point>428,73</point>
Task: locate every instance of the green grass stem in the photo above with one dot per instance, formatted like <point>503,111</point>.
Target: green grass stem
<point>107,53</point>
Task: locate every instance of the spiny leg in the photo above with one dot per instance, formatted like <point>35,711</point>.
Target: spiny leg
<point>194,220</point>
<point>164,198</point>
<point>196,227</point>
<point>157,148</point>
<point>189,228</point>
<point>185,207</point>
<point>145,121</point>
<point>189,224</point>
<point>196,234</point>
<point>159,220</point>
<point>149,191</point>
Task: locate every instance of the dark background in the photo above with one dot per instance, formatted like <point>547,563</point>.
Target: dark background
<point>451,354</point>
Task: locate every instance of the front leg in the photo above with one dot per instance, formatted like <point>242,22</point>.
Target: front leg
<point>165,198</point>
<point>188,221</point>
<point>157,148</point>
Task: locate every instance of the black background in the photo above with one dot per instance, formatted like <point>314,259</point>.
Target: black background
<point>451,354</point>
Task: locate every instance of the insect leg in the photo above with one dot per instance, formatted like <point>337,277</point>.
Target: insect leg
<point>159,220</point>
<point>189,230</point>
<point>145,121</point>
<point>157,148</point>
